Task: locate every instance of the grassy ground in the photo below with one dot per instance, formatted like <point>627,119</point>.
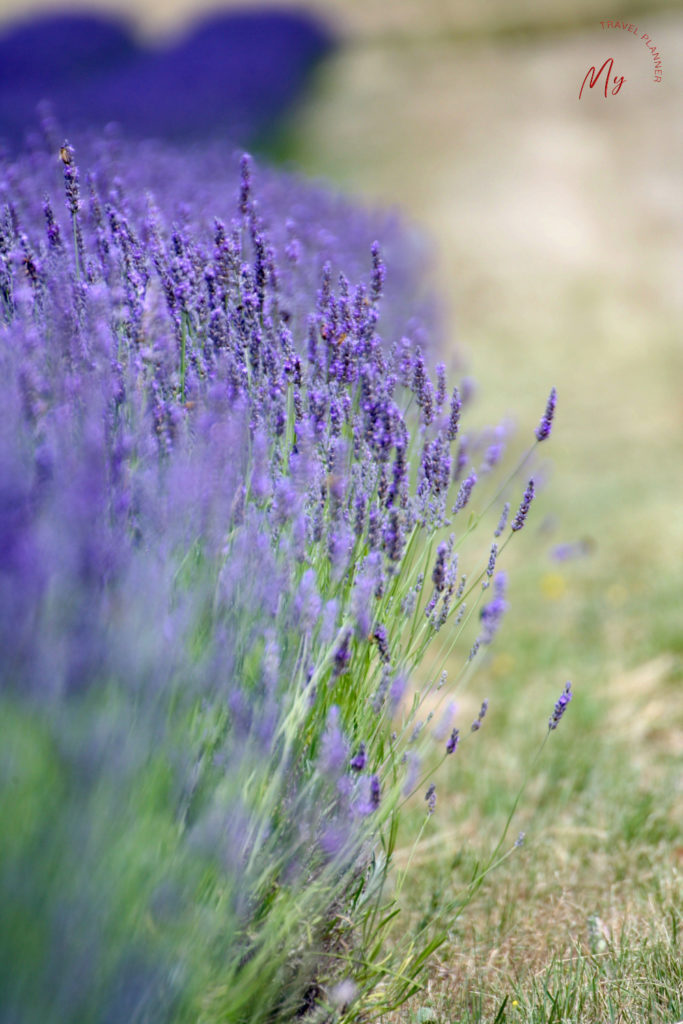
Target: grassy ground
<point>557,229</point>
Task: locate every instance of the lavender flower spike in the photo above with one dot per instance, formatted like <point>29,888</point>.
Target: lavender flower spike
<point>430,797</point>
<point>523,510</point>
<point>476,725</point>
<point>543,428</point>
<point>560,707</point>
<point>358,761</point>
<point>375,792</point>
<point>503,519</point>
<point>452,744</point>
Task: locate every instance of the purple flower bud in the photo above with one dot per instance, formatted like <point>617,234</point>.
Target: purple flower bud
<point>71,185</point>
<point>359,760</point>
<point>245,184</point>
<point>476,725</point>
<point>342,656</point>
<point>393,538</point>
<point>333,749</point>
<point>491,614</point>
<point>452,744</point>
<point>307,602</point>
<point>454,418</point>
<point>440,386</point>
<point>523,509</point>
<point>430,797</point>
<point>544,427</point>
<point>464,493</point>
<point>368,795</point>
<point>439,571</point>
<point>375,792</point>
<point>378,273</point>
<point>492,560</point>
<point>413,761</point>
<point>53,232</point>
<point>379,635</point>
<point>571,549</point>
<point>397,689</point>
<point>560,707</point>
<point>502,522</point>
<point>328,621</point>
<point>461,459</point>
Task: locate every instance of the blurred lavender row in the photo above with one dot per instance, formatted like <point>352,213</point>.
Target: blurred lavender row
<point>202,446</point>
<point>233,76</point>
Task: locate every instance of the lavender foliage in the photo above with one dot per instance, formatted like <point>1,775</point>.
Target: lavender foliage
<point>212,496</point>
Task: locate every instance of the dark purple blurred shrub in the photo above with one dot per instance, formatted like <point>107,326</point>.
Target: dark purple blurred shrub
<point>233,76</point>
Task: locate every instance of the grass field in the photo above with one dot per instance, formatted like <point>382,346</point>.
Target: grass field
<point>557,231</point>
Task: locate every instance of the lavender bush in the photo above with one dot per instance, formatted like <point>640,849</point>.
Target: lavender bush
<point>236,505</point>
<point>232,75</point>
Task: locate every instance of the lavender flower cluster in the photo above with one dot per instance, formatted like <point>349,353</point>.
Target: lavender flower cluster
<point>216,483</point>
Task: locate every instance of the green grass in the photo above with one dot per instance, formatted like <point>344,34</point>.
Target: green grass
<point>582,924</point>
<point>554,262</point>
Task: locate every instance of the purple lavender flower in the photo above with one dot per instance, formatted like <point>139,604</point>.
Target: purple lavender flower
<point>502,522</point>
<point>413,761</point>
<point>466,488</point>
<point>379,272</point>
<point>439,570</point>
<point>379,635</point>
<point>491,614</point>
<point>492,561</point>
<point>571,549</point>
<point>440,386</point>
<point>359,759</point>
<point>454,418</point>
<point>397,689</point>
<point>452,744</point>
<point>375,791</point>
<point>523,510</point>
<point>342,655</point>
<point>334,749</point>
<point>560,707</point>
<point>307,602</point>
<point>430,797</point>
<point>544,427</point>
<point>368,795</point>
<point>476,724</point>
